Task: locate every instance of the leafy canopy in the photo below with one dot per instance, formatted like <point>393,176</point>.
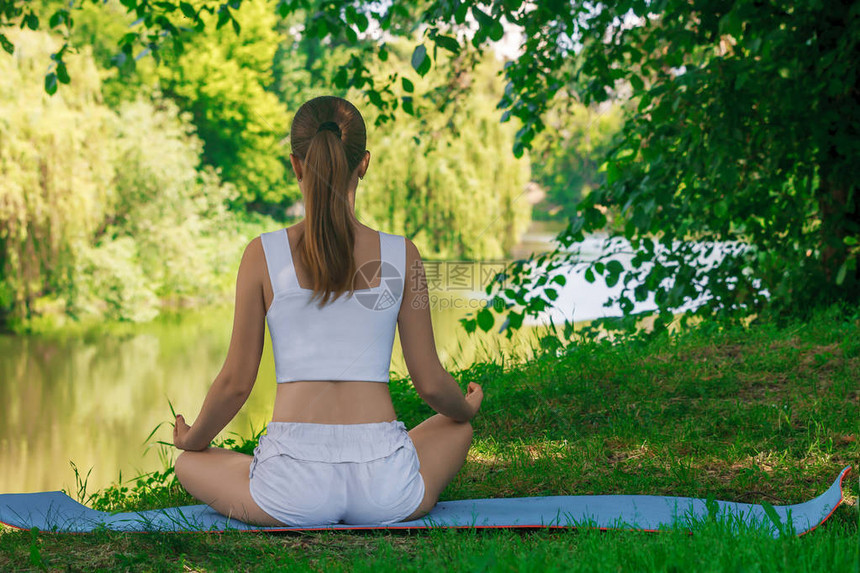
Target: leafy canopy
<point>744,137</point>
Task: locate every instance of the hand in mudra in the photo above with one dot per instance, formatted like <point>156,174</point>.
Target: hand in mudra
<point>474,396</point>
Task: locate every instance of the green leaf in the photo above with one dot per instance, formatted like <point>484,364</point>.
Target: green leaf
<point>485,319</point>
<point>447,42</point>
<point>62,73</point>
<point>407,105</point>
<point>468,324</point>
<point>407,85</point>
<point>188,10</point>
<point>612,172</point>
<point>496,31</point>
<point>460,13</point>
<point>516,319</point>
<point>236,26</point>
<point>614,267</point>
<point>32,21</point>
<point>418,56</point>
<point>849,240</point>
<point>483,19</point>
<point>51,83</point>
<point>223,17</point>
<point>375,98</point>
<point>56,19</point>
<point>383,54</point>
<point>7,45</point>
<point>636,82</point>
<point>589,275</point>
<point>420,60</point>
<point>340,78</point>
<point>361,21</point>
<point>322,29</point>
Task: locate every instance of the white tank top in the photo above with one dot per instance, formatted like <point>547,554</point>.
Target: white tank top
<point>350,338</point>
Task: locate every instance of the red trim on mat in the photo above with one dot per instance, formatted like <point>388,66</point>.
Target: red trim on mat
<point>291,530</point>
<point>838,503</point>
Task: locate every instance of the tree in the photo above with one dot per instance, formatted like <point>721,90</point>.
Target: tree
<point>224,80</point>
<point>448,180</point>
<point>708,153</point>
<point>568,154</point>
<point>102,211</point>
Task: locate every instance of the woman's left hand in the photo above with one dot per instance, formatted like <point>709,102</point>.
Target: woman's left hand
<point>180,434</point>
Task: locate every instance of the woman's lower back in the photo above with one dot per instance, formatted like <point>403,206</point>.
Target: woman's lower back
<point>333,402</point>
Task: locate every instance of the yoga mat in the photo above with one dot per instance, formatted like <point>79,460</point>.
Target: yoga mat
<point>55,511</point>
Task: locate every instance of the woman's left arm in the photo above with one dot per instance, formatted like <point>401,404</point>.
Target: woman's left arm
<point>234,383</point>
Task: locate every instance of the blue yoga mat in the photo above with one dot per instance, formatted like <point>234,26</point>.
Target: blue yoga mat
<point>55,511</point>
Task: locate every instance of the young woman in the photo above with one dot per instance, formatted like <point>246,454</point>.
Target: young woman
<point>332,291</point>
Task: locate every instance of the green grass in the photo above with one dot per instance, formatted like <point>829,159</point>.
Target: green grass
<point>764,414</point>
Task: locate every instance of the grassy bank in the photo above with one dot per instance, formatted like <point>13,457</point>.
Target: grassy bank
<point>762,415</point>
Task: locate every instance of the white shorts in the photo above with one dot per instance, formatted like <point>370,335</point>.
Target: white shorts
<point>316,474</point>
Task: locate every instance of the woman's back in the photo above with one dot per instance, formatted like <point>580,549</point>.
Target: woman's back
<point>333,401</point>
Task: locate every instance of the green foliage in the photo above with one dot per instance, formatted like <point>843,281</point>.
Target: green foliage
<point>710,155</point>
<point>707,154</point>
<point>110,283</point>
<point>101,26</point>
<point>55,172</point>
<point>106,212</point>
<point>223,78</point>
<point>448,181</point>
<point>175,212</point>
<point>567,155</point>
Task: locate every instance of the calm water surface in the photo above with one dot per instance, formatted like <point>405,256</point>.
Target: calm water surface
<point>93,401</point>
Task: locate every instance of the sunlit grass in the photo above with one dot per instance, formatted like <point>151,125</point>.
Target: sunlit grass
<point>764,415</point>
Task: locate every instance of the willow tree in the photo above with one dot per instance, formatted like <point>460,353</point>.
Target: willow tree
<point>56,166</point>
<point>448,180</point>
<point>102,211</point>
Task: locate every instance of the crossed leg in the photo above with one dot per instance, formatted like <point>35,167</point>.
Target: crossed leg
<point>442,444</point>
<point>219,478</point>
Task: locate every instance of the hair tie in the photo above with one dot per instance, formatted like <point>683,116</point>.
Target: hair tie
<point>330,126</point>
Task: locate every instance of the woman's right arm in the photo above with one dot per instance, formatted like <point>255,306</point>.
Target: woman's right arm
<point>432,382</point>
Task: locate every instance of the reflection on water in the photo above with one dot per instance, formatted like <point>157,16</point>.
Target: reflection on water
<point>94,400</point>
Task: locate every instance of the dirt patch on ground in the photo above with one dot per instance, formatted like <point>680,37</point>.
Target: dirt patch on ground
<point>702,354</point>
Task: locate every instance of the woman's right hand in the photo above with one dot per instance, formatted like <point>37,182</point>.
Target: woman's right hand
<point>474,397</point>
